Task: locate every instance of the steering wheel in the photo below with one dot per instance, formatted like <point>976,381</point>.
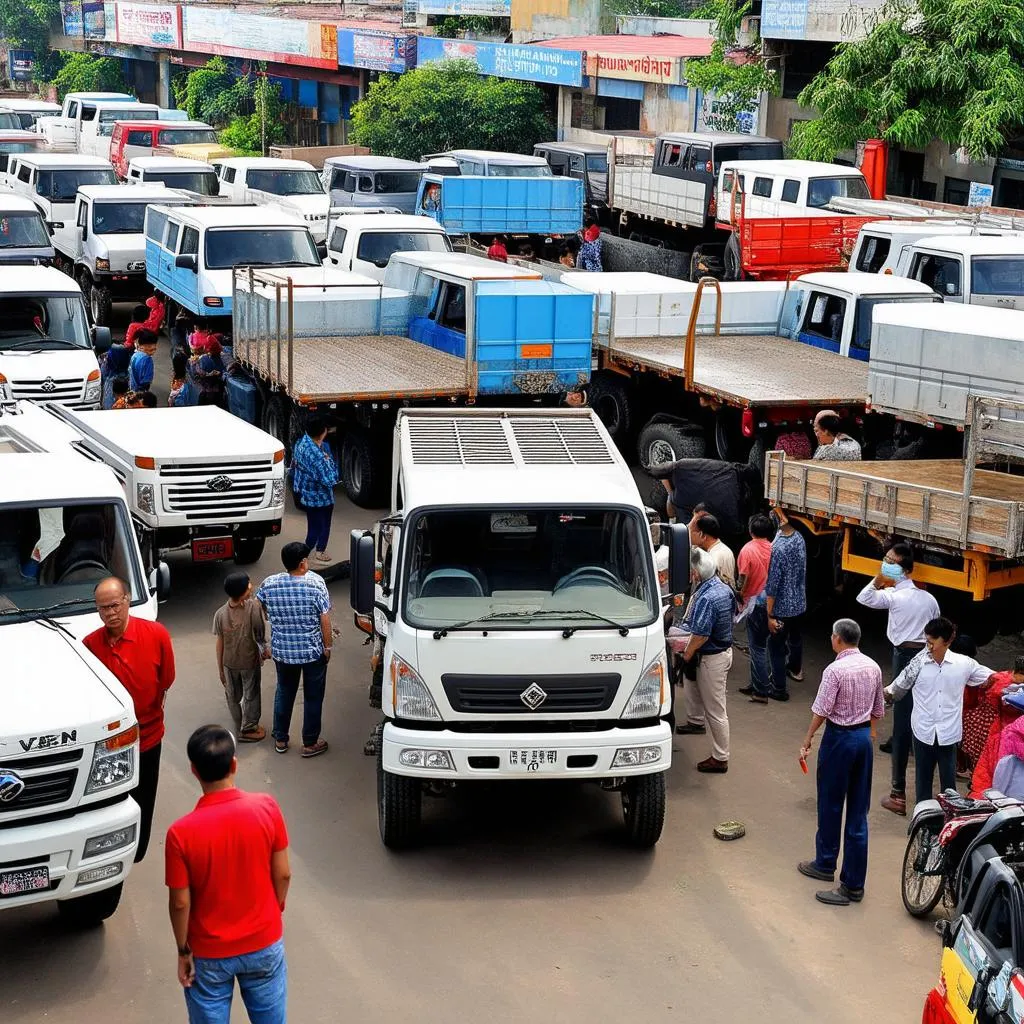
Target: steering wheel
<point>81,565</point>
<point>589,576</point>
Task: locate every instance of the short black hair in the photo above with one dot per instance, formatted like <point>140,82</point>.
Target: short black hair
<point>904,555</point>
<point>699,508</point>
<point>145,337</point>
<point>211,749</point>
<point>119,386</point>
<point>708,525</point>
<point>236,584</point>
<point>292,555</point>
<point>761,526</point>
<point>179,364</point>
<point>140,314</point>
<point>940,629</point>
<point>148,400</point>
<point>830,422</point>
<point>315,425</point>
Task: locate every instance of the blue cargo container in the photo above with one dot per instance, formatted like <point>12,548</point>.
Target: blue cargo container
<point>471,205</point>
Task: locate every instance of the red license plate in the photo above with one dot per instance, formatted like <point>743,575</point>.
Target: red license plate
<point>212,549</point>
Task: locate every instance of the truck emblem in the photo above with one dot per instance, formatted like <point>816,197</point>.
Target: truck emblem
<point>220,483</point>
<point>48,385</point>
<point>533,696</point>
<point>11,786</point>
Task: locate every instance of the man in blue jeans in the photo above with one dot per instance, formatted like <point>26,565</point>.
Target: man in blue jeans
<point>785,603</point>
<point>228,874</point>
<point>298,605</point>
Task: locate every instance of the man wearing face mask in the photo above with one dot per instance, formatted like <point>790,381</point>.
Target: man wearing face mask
<point>910,609</point>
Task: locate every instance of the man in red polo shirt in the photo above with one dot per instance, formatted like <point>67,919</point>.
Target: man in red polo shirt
<point>228,875</point>
<point>139,655</point>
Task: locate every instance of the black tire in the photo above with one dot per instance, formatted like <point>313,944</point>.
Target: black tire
<point>399,807</point>
<point>921,893</point>
<point>609,398</point>
<point>728,435</point>
<point>660,443</point>
<point>696,272</point>
<point>757,453</point>
<point>101,305</point>
<point>731,259</point>
<point>276,419</point>
<point>249,550</point>
<point>363,473</point>
<point>658,500</point>
<point>643,809</point>
<point>92,910</point>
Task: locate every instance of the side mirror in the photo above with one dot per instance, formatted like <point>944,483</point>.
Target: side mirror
<point>187,261</point>
<point>321,251</point>
<point>678,558</point>
<point>950,288</point>
<point>101,340</point>
<point>160,581</point>
<point>361,583</point>
<point>55,225</point>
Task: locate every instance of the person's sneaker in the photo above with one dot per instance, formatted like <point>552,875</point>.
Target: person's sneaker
<point>322,556</point>
<point>779,695</point>
<point>747,691</point>
<point>318,748</point>
<point>253,735</point>
<point>895,802</point>
<point>811,870</point>
<point>886,746</point>
<point>798,676</point>
<point>691,729</point>
<point>712,766</point>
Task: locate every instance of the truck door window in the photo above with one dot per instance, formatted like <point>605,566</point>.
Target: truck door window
<point>873,254</point>
<point>88,113</point>
<point>229,175</point>
<point>453,308</point>
<point>338,239</point>
<point>576,165</point>
<point>790,190</point>
<point>940,273</point>
<point>699,159</point>
<point>139,138</point>
<point>365,183</point>
<point>24,173</point>
<point>171,241</point>
<point>762,187</point>
<point>155,224</point>
<point>73,109</point>
<point>996,924</point>
<point>673,155</point>
<point>350,182</point>
<point>825,316</point>
<point>190,241</point>
<point>997,275</point>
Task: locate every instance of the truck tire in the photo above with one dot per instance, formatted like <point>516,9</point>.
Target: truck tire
<point>609,398</point>
<point>277,420</point>
<point>757,453</point>
<point>249,550</point>
<point>731,258</point>
<point>643,809</point>
<point>90,911</point>
<point>660,443</point>
<point>399,801</point>
<point>363,472</point>
<point>101,305</point>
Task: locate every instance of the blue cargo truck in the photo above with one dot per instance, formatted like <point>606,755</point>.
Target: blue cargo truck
<point>442,329</point>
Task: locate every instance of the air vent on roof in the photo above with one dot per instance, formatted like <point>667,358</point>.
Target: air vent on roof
<point>561,441</point>
<point>446,442</point>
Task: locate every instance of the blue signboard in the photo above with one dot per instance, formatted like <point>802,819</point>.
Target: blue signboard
<point>20,65</point>
<point>377,51</point>
<point>784,19</point>
<point>93,19</point>
<point>525,63</point>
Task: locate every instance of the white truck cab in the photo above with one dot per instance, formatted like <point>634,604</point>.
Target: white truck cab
<point>364,243</point>
<point>89,129</point>
<point>30,110</point>
<point>369,181</point>
<point>517,613</point>
<point>61,130</point>
<point>881,245</point>
<point>23,234</point>
<point>981,271</point>
<point>175,172</point>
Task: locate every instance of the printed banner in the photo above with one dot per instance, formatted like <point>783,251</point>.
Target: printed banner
<point>71,16</point>
<point>283,40</point>
<point>784,19</point>
<point>149,25</point>
<point>524,63</point>
<point>92,19</point>
<point>377,51</point>
<point>494,8</point>
<point>667,70</point>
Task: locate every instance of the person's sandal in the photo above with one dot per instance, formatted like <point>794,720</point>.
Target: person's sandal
<point>318,748</point>
<point>281,748</point>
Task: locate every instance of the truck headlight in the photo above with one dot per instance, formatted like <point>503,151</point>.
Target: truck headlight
<point>636,757</point>
<point>277,492</point>
<point>92,386</point>
<point>649,693</point>
<point>109,842</point>
<point>409,694</point>
<point>102,264</point>
<point>415,757</point>
<point>145,498</point>
<point>113,761</point>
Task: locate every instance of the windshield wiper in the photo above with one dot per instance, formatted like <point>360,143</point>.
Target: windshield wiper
<point>43,340</point>
<point>45,609</point>
<point>569,630</point>
<point>489,617</point>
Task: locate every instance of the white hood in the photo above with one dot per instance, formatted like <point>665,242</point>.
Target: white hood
<point>122,250</point>
<point>58,363</point>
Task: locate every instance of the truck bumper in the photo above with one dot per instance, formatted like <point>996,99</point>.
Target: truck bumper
<point>123,284</point>
<point>60,846</point>
<point>517,755</point>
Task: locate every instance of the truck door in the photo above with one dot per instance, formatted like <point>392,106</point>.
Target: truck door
<point>63,132</point>
<point>943,274</point>
<point>189,284</point>
<point>444,326</point>
<point>823,322</point>
<point>81,233</point>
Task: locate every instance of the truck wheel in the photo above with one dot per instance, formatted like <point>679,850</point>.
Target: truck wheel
<point>363,473</point>
<point>399,801</point>
<point>277,416</point>
<point>249,550</point>
<point>643,809</point>
<point>758,450</point>
<point>609,398</point>
<point>661,443</point>
<point>101,305</point>
<point>89,911</point>
<point>733,271</point>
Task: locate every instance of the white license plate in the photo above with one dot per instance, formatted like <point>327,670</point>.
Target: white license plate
<point>530,760</point>
<point>12,883</point>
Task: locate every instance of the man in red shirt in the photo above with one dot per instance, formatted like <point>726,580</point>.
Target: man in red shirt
<point>140,656</point>
<point>228,874</point>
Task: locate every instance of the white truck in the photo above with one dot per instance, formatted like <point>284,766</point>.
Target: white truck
<point>86,122</point>
<point>517,614</point>
<point>69,739</point>
<point>175,172</point>
<point>293,186</point>
<point>365,242</point>
<point>882,245</point>
<point>47,349</point>
<point>24,237</point>
<point>980,271</point>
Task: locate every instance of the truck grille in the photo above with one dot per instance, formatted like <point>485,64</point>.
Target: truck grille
<point>49,389</point>
<point>504,694</point>
<point>221,488</point>
<point>42,791</point>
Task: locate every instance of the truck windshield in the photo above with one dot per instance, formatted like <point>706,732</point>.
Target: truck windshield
<point>118,218</point>
<point>186,136</point>
<point>873,253</point>
<point>51,558</point>
<point>729,153</point>
<point>61,186</point>
<point>260,247</point>
<point>8,119</point>
<point>597,162</point>
<point>860,343</point>
<point>377,247</point>
<point>23,230</point>
<point>388,182</point>
<point>203,182</point>
<point>551,568</point>
<point>821,191</point>
<point>997,275</point>
<point>286,183</point>
<point>518,171</point>
<point>108,118</point>
<point>42,322</point>
<point>7,148</point>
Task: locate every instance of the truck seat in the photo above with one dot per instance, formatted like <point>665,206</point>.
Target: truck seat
<point>452,582</point>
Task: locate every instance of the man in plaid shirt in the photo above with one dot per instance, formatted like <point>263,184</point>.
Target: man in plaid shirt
<point>297,604</point>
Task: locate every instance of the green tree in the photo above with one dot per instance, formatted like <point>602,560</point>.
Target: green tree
<point>449,105</point>
<point>946,69</point>
<point>454,26</point>
<point>25,24</point>
<point>85,72</point>
<point>264,127</point>
<point>214,93</point>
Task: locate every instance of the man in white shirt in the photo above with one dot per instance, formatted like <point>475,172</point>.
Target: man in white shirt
<point>910,609</point>
<point>938,678</point>
<point>706,533</point>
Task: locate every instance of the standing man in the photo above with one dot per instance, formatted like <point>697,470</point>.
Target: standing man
<point>228,874</point>
<point>938,677</point>
<point>709,623</point>
<point>910,610</point>
<point>314,477</point>
<point>849,698</point>
<point>752,566</point>
<point>833,446</point>
<point>706,534</point>
<point>297,603</point>
<point>139,655</point>
<point>785,603</point>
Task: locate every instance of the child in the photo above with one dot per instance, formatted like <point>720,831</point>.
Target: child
<point>202,338</point>
<point>140,369</point>
<point>179,379</point>
<point>114,366</point>
<point>497,251</point>
<point>241,633</point>
<point>157,311</point>
<point>140,314</point>
<point>120,393</point>
<point>144,400</point>
<point>566,258</point>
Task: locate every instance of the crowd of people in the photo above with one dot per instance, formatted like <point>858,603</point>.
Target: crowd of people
<point>580,252</point>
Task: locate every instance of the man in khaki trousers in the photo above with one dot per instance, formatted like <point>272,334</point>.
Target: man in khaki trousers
<point>709,623</point>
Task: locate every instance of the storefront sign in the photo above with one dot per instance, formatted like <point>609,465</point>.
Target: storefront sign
<point>524,63</point>
<point>92,19</point>
<point>784,19</point>
<point>236,34</point>
<point>149,25</point>
<point>666,70</point>
<point>980,194</point>
<point>377,51</point>
<point>713,114</point>
<point>20,65</point>
<point>71,16</point>
<point>494,8</point>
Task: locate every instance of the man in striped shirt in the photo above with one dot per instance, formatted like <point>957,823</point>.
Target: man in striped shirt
<point>849,698</point>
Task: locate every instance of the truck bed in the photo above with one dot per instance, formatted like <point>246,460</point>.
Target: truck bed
<point>920,499</point>
<point>360,367</point>
<point>749,370</point>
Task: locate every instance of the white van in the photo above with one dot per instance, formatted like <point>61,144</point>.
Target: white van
<point>372,181</point>
<point>30,110</point>
<point>174,172</point>
<point>364,243</point>
<point>881,245</point>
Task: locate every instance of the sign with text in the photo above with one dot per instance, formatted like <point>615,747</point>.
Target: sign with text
<point>631,67</point>
<point>93,21</point>
<point>237,34</point>
<point>493,8</point>
<point>377,51</point>
<point>980,194</point>
<point>20,65</point>
<point>783,19</point>
<point>149,25</point>
<point>71,16</point>
<point>523,63</point>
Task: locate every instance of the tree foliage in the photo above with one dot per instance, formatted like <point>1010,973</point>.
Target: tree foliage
<point>452,26</point>
<point>449,105</point>
<point>85,72</point>
<point>25,24</point>
<point>659,8</point>
<point>947,69</point>
<point>264,127</point>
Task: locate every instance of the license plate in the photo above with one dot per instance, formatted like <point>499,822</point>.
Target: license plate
<point>13,883</point>
<point>139,265</point>
<point>529,760</point>
<point>212,549</point>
